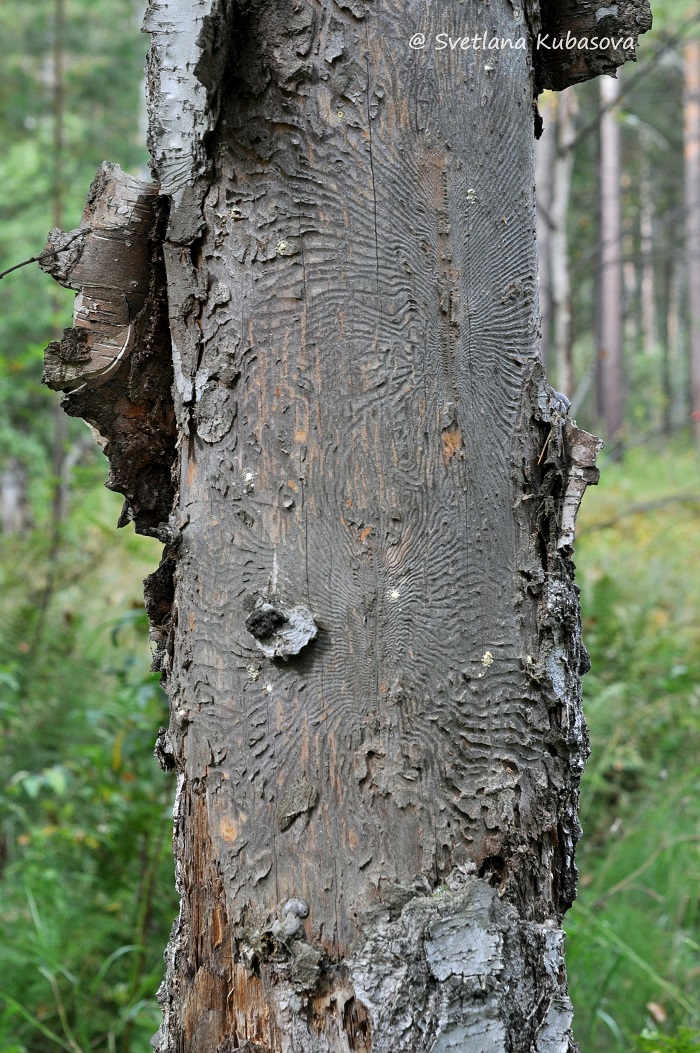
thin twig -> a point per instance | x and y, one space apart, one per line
47 253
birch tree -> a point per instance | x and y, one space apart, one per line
310 350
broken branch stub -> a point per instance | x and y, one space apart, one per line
109 269
115 363
567 49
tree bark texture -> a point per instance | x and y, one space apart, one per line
545 148
365 613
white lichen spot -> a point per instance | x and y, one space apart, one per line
249 481
394 594
471 195
253 672
487 660
282 248
268 688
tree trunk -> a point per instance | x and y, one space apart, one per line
365 613
691 57
646 247
610 285
544 158
15 510
559 240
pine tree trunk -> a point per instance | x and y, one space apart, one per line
365 612
646 248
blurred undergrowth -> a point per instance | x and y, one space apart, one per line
86 889
634 933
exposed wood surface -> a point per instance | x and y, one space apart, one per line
354 318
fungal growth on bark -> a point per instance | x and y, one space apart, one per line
366 614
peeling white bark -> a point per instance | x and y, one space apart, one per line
180 109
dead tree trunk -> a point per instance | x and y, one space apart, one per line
365 613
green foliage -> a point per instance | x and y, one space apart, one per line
634 934
103 56
682 1041
86 875
87 891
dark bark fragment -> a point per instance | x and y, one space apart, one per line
557 67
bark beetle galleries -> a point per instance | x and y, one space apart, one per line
368 452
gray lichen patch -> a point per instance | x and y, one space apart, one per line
281 633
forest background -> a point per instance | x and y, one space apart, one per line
87 892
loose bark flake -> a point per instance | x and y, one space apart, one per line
114 364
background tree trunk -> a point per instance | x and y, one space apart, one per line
647 283
610 285
365 612
691 57
559 240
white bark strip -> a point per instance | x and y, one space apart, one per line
180 114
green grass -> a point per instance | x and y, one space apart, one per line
634 933
87 892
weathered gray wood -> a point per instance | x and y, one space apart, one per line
366 611
355 325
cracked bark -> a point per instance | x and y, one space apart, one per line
365 613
